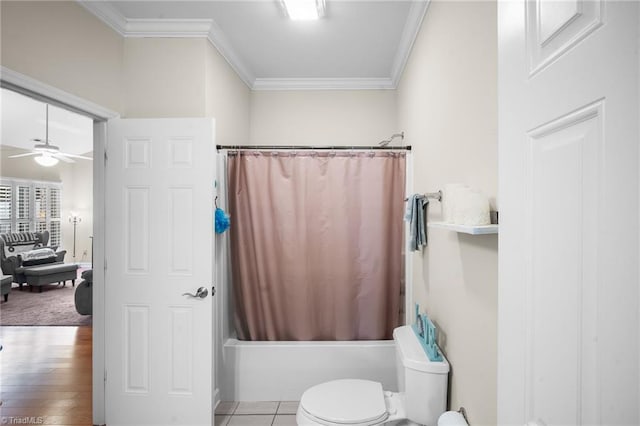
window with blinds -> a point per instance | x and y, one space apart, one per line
40 208
54 203
31 206
54 233
54 227
6 208
23 227
23 208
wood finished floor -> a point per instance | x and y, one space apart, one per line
45 375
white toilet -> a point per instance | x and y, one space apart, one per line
422 397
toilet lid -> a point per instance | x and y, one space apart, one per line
349 401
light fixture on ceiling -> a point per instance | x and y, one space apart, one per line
303 10
48 155
46 160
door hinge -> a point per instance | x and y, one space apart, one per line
105 376
105 156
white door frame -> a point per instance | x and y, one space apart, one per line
36 89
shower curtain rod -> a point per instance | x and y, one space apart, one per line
300 147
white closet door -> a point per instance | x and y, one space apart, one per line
568 154
159 245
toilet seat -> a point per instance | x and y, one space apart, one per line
345 402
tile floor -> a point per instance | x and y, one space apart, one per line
276 413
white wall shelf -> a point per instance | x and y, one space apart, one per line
466 229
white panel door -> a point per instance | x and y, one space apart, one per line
568 157
159 246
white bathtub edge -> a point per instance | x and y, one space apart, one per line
282 371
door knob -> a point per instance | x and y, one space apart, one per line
200 293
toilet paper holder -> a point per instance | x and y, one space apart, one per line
462 411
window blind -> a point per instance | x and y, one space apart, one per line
54 233
23 203
41 226
31 206
54 200
23 208
23 227
40 207
6 202
6 208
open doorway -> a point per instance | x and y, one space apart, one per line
46 213
99 115
47 325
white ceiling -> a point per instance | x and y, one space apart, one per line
24 118
358 44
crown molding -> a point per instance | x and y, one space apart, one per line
209 29
107 14
30 86
409 34
217 38
323 84
168 27
146 27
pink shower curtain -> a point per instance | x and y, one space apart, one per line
316 244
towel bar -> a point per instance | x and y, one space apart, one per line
431 195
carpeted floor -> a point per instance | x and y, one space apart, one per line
54 306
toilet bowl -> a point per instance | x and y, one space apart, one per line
422 397
347 402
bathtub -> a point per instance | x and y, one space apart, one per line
282 371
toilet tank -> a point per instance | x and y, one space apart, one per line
422 382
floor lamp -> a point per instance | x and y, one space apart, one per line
75 220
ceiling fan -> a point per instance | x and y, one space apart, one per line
48 155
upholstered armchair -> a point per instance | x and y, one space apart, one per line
13 245
84 294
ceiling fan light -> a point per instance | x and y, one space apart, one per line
46 160
303 10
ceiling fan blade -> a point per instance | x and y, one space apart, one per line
62 158
75 156
24 155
